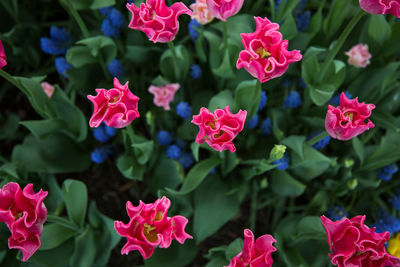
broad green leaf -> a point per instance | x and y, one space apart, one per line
358 148
75 198
165 174
9 127
101 46
379 29
336 16
143 151
85 249
79 56
234 248
56 257
102 3
130 168
288 28
224 70
247 97
176 255
221 100
283 184
295 143
54 234
312 165
167 65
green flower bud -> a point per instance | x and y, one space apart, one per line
277 152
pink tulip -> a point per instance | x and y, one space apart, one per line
256 254
347 120
201 13
24 213
3 57
158 21
47 88
117 107
381 6
219 129
223 9
359 56
265 55
164 95
149 227
354 244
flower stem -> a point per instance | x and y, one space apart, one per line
339 44
317 138
174 59
225 35
254 200
12 80
77 18
62 221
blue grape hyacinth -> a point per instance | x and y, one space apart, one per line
184 110
62 66
321 143
266 127
195 71
395 200
335 100
263 100
164 138
104 133
253 122
113 22
303 21
386 173
173 152
283 163
336 213
193 27
115 68
100 154
386 222
186 160
58 42
293 100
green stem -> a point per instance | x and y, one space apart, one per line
317 138
253 214
339 44
10 79
77 18
225 35
174 59
272 6
62 221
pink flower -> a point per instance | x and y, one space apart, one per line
256 254
201 13
117 107
219 129
266 55
3 57
158 21
355 244
163 95
347 120
223 9
24 213
149 227
47 88
381 6
359 56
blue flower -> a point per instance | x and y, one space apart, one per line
335 100
302 5
303 21
283 163
266 127
387 172
293 100
286 82
336 213
321 143
277 4
100 154
184 110
386 222
301 83
62 65
104 133
395 200
173 152
115 68
253 122
194 26
105 10
58 42
109 29
195 71
164 138
181 143
116 18
186 160
263 100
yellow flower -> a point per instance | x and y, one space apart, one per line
394 245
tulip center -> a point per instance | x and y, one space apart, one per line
262 52
18 216
158 216
149 232
219 134
349 115
211 124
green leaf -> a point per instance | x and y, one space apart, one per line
221 100
196 175
234 248
211 201
283 184
295 143
310 227
358 148
44 155
179 72
165 174
129 167
288 28
247 97
312 165
176 255
79 56
85 249
224 70
75 198
336 16
9 127
379 29
80 4
54 234
316 22
101 46
200 50
385 120
102 3
143 151
56 257
285 9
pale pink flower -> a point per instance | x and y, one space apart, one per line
223 9
219 129
348 120
355 244
359 56
158 21
117 107
3 57
47 88
201 12
256 254
24 213
164 95
265 55
381 6
149 227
